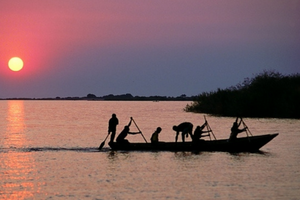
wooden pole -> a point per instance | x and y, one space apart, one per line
209 129
139 129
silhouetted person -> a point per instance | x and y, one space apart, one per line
185 128
235 129
112 127
121 137
154 137
199 131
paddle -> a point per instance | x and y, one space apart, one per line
139 129
103 143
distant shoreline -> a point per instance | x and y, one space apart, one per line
124 97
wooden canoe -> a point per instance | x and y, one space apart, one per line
242 144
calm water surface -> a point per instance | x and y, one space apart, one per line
48 150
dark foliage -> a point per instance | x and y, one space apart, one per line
269 94
91 96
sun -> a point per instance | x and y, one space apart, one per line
15 64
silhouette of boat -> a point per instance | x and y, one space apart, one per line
242 144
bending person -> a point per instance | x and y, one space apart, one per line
235 129
185 128
121 137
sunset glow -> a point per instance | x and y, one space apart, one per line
15 64
72 48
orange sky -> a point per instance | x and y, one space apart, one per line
78 47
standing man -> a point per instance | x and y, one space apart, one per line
185 128
112 126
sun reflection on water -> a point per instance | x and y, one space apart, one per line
16 167
15 124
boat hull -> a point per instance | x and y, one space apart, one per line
243 144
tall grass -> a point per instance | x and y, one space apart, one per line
268 94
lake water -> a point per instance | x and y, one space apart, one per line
48 150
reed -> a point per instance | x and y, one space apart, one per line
269 94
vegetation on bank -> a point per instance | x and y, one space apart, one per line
269 94
111 97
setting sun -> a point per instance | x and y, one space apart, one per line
15 64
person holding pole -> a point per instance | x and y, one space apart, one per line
235 129
121 137
199 131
